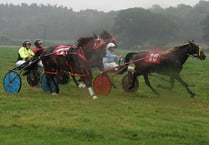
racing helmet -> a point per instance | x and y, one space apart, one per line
38 42
110 45
26 42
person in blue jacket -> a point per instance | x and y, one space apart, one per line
110 58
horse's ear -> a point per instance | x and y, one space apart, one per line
190 42
105 32
95 35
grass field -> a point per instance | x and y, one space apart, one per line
32 117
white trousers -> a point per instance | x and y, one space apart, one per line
40 64
19 62
108 66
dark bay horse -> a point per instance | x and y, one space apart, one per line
74 59
169 63
96 59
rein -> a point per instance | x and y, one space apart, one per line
130 62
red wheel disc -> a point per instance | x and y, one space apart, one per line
102 85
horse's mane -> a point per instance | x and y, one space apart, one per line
84 40
176 48
48 50
105 34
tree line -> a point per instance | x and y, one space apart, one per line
133 27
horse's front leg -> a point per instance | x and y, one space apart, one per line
88 83
186 86
146 78
75 81
133 78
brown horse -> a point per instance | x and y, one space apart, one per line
95 60
77 60
169 63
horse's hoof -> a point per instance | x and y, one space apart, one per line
94 97
82 86
54 94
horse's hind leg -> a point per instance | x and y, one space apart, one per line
146 78
186 86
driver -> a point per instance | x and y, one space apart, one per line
24 53
38 50
110 58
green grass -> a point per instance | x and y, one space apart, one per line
32 117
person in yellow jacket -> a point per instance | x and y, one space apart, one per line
24 53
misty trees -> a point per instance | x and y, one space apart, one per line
205 24
203 8
59 23
138 26
132 27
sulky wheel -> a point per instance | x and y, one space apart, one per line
33 78
102 85
127 82
44 85
12 82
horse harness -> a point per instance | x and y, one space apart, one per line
68 51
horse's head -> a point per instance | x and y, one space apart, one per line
107 37
94 48
196 51
101 43
86 42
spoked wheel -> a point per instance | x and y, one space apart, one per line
102 85
33 78
12 82
127 82
44 85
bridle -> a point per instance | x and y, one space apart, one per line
198 52
99 42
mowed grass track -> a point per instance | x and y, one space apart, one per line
32 117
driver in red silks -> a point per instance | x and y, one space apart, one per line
38 50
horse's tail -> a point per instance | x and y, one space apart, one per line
127 59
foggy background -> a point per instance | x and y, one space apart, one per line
132 27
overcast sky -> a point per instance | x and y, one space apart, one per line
106 5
